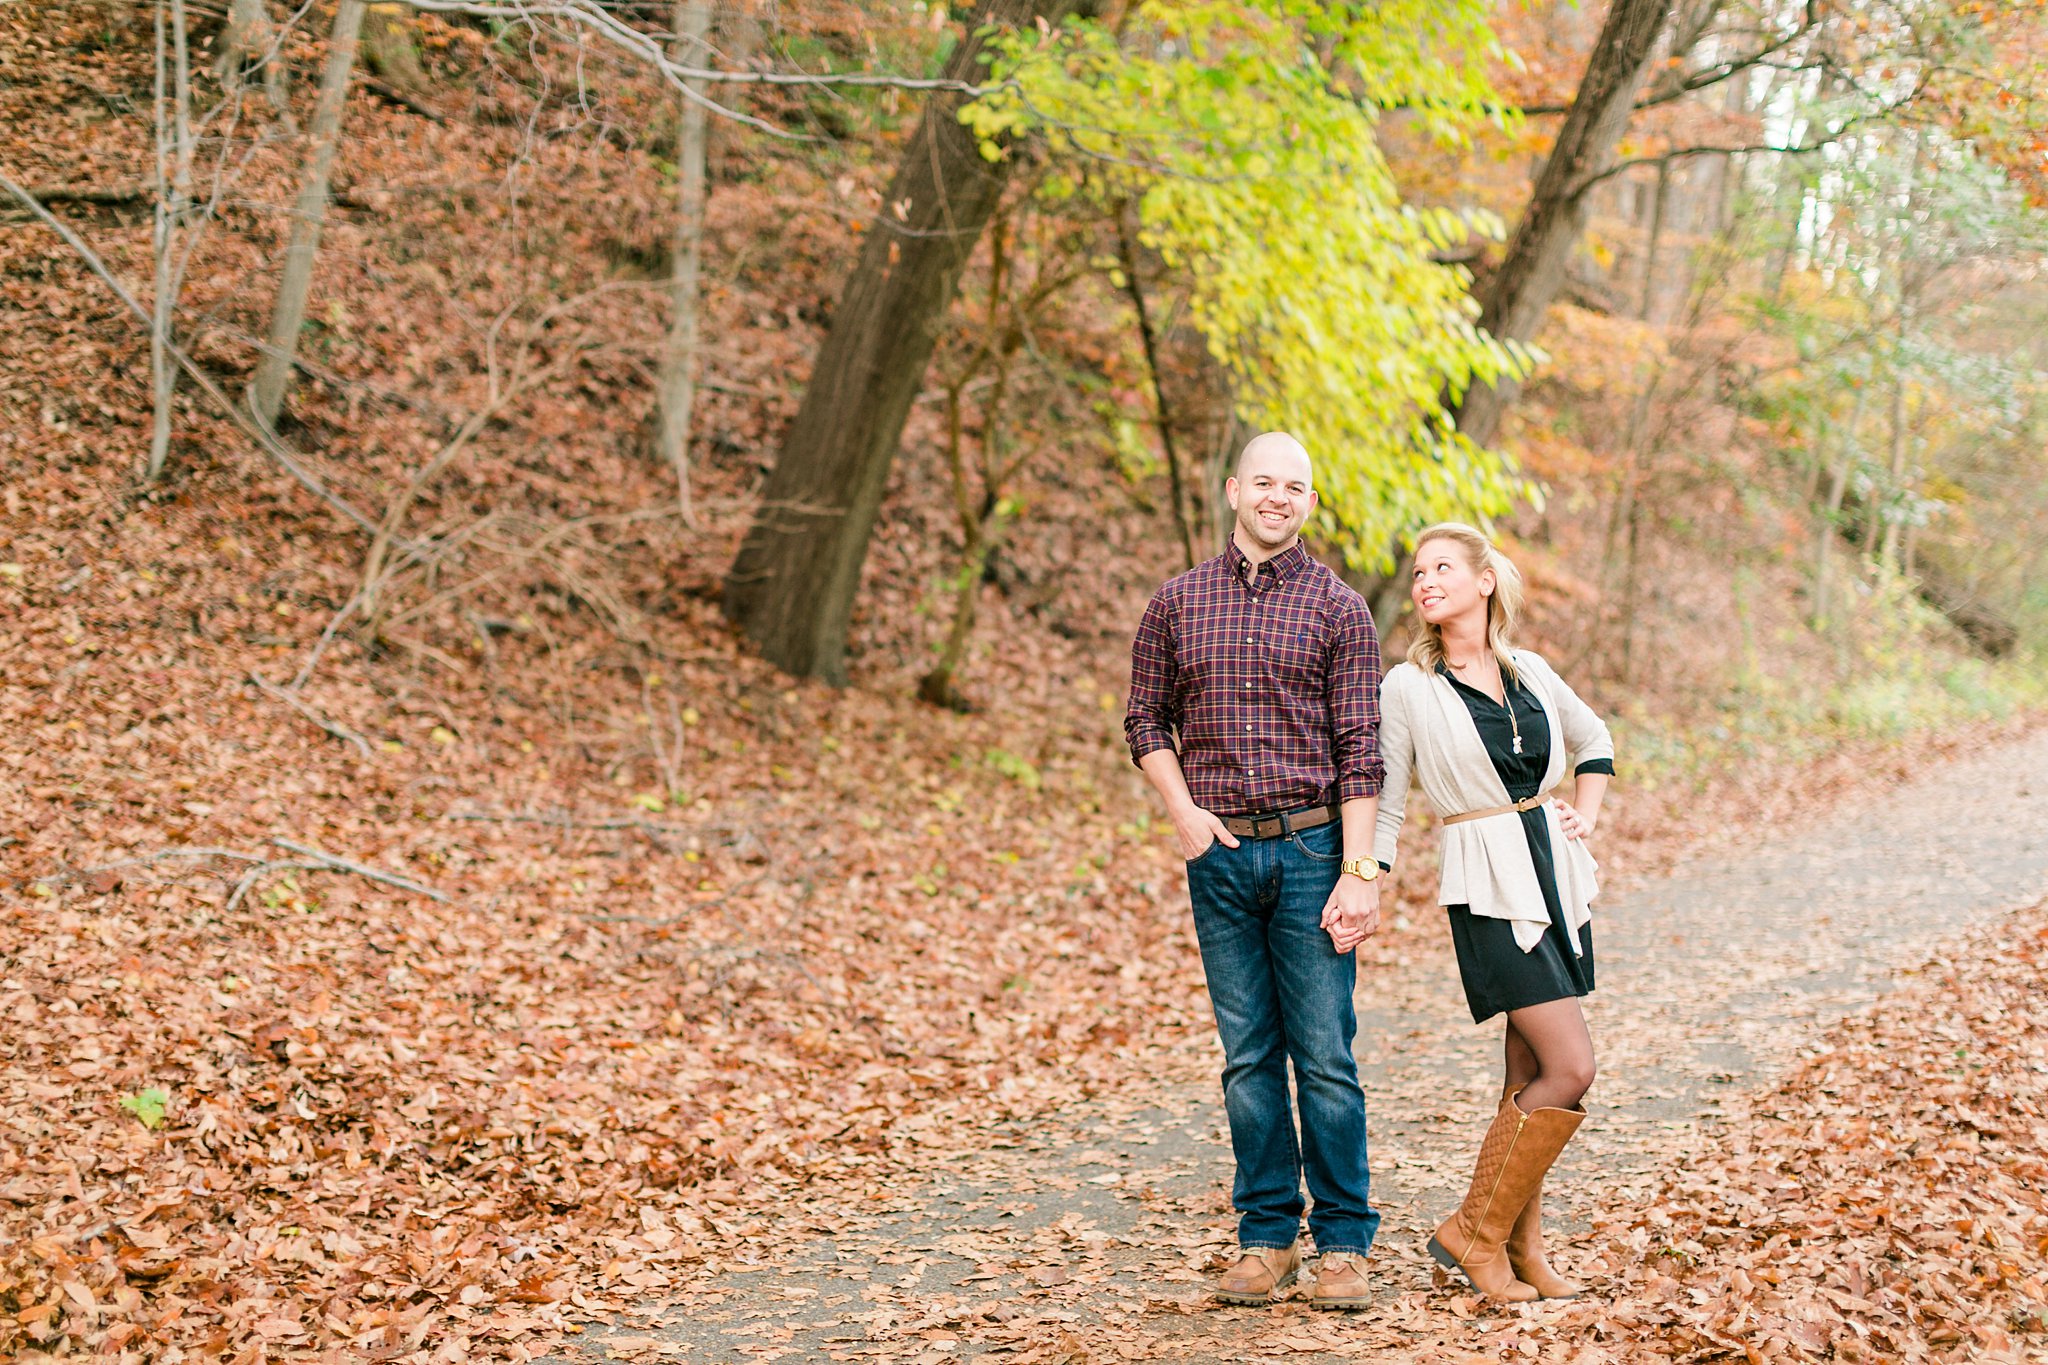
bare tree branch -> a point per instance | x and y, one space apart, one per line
649 46
1677 87
649 49
1682 153
397 879
283 454
292 699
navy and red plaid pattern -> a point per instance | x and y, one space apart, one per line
1272 684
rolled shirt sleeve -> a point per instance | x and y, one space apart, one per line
1354 698
1150 719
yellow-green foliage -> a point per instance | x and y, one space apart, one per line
1245 133
1898 673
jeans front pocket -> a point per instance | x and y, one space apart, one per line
1324 843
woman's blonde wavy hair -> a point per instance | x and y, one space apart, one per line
1502 608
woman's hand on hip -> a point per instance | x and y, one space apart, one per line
1575 822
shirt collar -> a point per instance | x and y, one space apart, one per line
1282 566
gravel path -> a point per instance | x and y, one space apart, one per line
1711 981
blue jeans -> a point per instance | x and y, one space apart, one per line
1282 993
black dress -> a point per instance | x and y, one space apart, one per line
1498 975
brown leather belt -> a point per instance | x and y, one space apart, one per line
1287 822
1526 803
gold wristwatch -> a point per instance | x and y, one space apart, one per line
1365 869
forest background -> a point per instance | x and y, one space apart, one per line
569 564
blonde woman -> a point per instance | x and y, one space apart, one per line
1485 728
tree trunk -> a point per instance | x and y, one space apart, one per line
679 357
240 38
309 215
937 687
173 166
1385 593
389 50
1831 519
1218 520
1658 205
1520 291
792 587
1824 564
247 43
1137 292
1888 508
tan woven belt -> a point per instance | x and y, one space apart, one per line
1526 803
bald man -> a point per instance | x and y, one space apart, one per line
1254 713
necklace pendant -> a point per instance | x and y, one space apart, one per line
1518 744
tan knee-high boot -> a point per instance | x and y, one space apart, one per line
1525 1243
1525 1253
1518 1150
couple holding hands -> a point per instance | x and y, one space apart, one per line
1259 713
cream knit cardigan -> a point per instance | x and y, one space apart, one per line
1426 734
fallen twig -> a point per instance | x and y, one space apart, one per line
726 836
397 879
89 194
265 865
159 856
398 96
291 699
565 821
257 873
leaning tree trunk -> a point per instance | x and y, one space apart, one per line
792 587
273 372
1517 295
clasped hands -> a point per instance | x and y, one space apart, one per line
1350 916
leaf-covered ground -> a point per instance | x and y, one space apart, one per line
713 943
1092 1236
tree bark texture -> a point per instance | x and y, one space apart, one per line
309 215
1136 289
1887 510
1660 200
679 356
174 153
1518 293
389 49
239 38
1831 515
792 587
248 46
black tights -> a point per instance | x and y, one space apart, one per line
1549 1054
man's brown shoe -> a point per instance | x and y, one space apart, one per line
1258 1273
1340 1283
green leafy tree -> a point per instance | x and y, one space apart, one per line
1245 135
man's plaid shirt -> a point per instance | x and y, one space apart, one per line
1272 685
